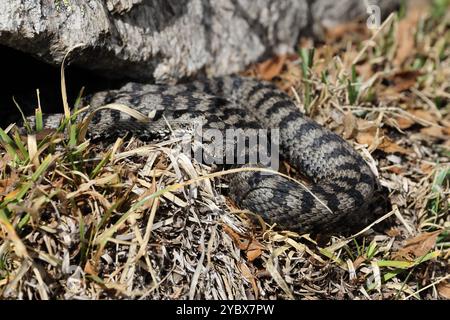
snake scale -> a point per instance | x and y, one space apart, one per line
341 181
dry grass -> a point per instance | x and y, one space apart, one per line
81 221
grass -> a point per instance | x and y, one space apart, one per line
127 220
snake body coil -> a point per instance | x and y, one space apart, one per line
342 183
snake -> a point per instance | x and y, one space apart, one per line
340 182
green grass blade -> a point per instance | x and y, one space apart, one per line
100 165
41 169
23 150
8 144
25 122
39 119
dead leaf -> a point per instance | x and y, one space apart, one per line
249 276
444 289
290 77
254 250
358 261
417 247
404 80
395 169
393 232
149 203
447 144
90 269
405 39
433 131
245 270
405 35
242 242
350 125
269 69
404 122
7 184
365 70
370 136
425 115
365 127
446 131
162 163
389 146
12 194
446 124
426 168
379 141
342 30
366 137
252 247
6 159
253 254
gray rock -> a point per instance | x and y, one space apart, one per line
165 40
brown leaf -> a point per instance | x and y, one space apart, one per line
252 247
366 138
342 30
242 242
12 194
253 254
358 261
7 184
364 125
446 124
418 246
406 44
162 163
149 203
4 161
433 131
271 68
427 168
447 144
405 37
350 126
444 289
393 232
250 277
254 250
425 115
404 122
446 131
404 80
399 82
290 77
390 146
367 135
365 70
89 268
395 169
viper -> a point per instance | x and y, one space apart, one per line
341 182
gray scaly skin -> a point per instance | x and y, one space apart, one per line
340 177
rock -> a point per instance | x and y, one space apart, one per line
166 40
